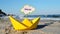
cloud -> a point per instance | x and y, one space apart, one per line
27 9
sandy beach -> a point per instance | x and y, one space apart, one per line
44 27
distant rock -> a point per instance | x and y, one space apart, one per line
2 13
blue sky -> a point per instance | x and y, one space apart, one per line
41 6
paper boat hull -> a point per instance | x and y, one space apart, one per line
23 26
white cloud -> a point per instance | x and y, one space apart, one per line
27 9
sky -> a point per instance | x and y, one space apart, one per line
42 7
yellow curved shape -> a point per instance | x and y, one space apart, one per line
26 24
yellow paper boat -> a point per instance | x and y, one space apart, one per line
26 24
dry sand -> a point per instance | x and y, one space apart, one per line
44 27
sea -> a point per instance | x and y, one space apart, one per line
32 17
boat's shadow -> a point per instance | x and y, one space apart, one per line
42 26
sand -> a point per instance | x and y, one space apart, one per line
44 27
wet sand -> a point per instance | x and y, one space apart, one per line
44 27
